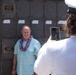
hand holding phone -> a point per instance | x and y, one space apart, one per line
55 33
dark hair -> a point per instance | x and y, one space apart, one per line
70 26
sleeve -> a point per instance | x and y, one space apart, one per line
16 48
37 47
41 66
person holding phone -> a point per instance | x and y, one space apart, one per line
59 57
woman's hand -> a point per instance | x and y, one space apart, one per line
35 73
50 40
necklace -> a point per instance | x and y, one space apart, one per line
27 44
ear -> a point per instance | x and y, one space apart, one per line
21 31
30 31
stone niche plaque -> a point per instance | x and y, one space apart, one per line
8 7
8 45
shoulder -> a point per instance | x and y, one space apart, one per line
17 42
35 40
55 46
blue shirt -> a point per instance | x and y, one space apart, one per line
26 59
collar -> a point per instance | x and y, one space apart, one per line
73 37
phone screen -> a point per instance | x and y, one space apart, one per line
55 33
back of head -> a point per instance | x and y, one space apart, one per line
71 19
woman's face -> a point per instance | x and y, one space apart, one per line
26 32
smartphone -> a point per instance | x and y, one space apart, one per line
55 33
